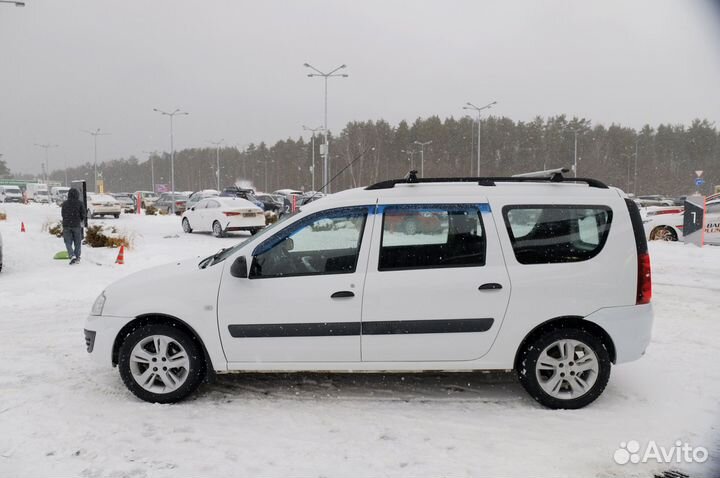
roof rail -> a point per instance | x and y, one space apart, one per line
554 177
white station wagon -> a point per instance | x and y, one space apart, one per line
547 276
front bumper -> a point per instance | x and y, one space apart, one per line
100 333
629 328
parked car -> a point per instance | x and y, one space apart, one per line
221 215
10 194
551 279
41 196
198 196
248 194
148 198
165 203
58 194
270 202
126 202
103 205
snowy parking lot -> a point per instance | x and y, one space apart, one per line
62 415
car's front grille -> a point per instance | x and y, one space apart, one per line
89 339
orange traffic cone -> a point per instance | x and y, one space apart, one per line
121 256
22 227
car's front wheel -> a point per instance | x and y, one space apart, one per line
160 363
186 225
565 368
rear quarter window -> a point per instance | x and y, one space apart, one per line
551 234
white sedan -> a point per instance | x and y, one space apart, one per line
223 214
103 205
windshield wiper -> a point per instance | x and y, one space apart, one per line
210 260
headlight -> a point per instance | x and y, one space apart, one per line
97 307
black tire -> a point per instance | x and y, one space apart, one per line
254 231
186 226
527 368
195 374
117 216
217 229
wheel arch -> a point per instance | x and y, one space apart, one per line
165 319
568 321
672 229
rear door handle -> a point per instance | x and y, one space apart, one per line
490 286
342 293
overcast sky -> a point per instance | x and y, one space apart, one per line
237 67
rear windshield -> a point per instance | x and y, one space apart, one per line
549 234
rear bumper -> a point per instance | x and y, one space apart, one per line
245 223
629 328
12 199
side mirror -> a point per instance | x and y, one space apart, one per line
239 268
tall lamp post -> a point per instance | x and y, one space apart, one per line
172 149
422 156
575 160
314 130
411 157
217 159
325 76
47 165
95 135
152 168
478 110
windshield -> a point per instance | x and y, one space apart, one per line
225 253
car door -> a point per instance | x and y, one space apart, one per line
437 287
302 300
196 219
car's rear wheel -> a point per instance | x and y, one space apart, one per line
565 368
186 225
217 229
160 363
663 234
117 216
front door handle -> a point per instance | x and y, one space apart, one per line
342 293
490 286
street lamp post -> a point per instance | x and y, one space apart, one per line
319 128
14 2
575 156
172 149
47 165
635 176
478 110
95 135
217 159
411 157
422 156
325 76
152 168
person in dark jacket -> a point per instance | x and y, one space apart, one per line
73 217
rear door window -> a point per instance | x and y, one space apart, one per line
431 236
549 234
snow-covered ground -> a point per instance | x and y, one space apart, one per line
61 415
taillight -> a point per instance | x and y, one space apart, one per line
644 280
232 213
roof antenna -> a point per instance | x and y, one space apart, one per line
362 153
